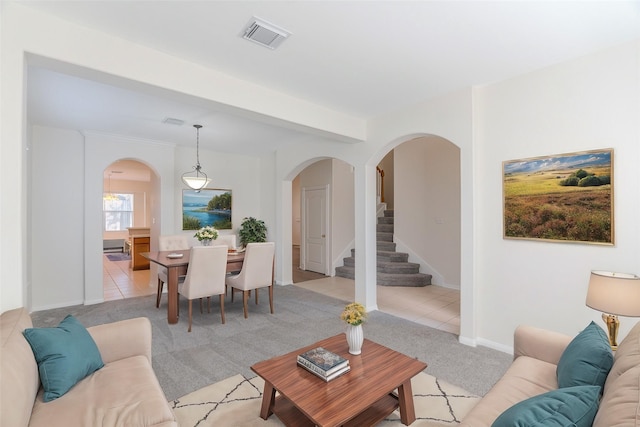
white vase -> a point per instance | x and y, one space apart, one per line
355 337
206 242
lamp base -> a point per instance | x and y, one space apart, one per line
612 326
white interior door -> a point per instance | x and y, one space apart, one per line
314 256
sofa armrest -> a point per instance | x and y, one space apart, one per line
540 344
126 338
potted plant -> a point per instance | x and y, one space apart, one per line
252 230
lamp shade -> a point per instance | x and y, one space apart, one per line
196 182
614 293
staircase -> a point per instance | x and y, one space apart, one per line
393 269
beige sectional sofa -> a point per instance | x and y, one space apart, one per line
124 392
537 353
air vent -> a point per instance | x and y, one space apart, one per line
172 121
265 33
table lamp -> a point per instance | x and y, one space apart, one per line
615 294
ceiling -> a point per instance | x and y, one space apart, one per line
361 58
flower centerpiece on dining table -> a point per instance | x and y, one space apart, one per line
354 314
206 234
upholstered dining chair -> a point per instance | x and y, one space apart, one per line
256 272
174 242
205 277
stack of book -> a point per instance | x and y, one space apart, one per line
324 363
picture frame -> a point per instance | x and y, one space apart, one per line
206 207
560 198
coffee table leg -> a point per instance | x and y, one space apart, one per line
405 401
268 400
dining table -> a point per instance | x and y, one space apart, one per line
176 263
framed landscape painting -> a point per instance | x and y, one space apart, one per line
565 197
206 207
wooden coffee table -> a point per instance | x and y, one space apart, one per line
362 397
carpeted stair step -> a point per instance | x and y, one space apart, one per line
388 213
346 272
412 280
385 246
398 267
385 220
389 279
382 256
384 237
349 261
384 228
392 256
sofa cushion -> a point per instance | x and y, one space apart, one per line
19 380
627 355
125 392
565 407
586 360
620 404
526 377
65 354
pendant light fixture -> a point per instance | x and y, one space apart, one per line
196 179
109 196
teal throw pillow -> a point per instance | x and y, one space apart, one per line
65 355
587 359
565 407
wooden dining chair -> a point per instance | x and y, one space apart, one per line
205 277
256 272
175 242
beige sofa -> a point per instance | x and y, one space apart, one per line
533 372
125 392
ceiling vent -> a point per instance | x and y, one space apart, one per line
264 33
173 121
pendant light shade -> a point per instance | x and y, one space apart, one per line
196 179
109 196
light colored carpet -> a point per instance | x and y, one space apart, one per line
235 402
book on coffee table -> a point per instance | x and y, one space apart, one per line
331 376
322 362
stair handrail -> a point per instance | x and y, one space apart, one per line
380 184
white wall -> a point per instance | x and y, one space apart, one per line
427 213
295 211
57 217
589 103
342 213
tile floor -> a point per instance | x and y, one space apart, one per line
432 305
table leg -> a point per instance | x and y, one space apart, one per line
405 401
268 400
172 293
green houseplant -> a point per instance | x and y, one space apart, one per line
252 230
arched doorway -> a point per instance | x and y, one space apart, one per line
128 192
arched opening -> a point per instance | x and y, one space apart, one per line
420 184
322 218
128 194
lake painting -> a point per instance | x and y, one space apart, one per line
206 207
565 197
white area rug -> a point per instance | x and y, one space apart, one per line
235 402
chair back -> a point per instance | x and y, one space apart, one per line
257 267
173 242
228 240
206 272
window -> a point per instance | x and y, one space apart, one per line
117 211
